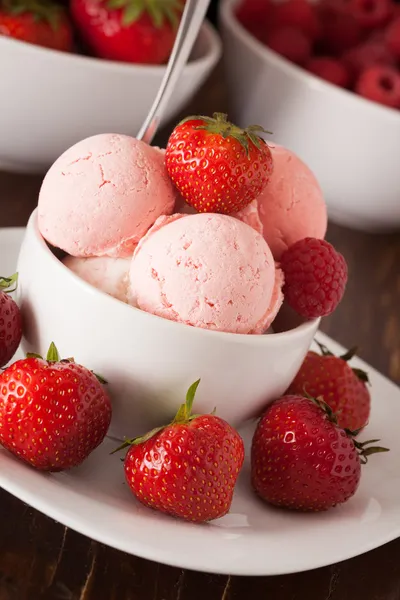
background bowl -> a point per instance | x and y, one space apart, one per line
148 361
51 100
350 143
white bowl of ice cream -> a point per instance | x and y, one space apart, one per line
150 361
350 143
152 300
53 99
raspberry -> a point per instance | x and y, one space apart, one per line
299 14
330 69
290 43
392 37
367 55
380 84
339 31
315 277
371 13
253 15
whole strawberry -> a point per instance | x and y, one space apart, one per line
10 321
135 31
216 166
53 413
302 460
315 277
40 22
343 388
187 469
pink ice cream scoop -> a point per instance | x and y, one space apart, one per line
102 195
249 214
206 270
109 275
291 206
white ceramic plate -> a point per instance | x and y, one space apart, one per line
253 539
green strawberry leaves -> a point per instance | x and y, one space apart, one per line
160 11
9 282
218 124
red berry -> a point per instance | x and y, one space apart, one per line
302 460
253 15
371 13
290 43
53 413
216 166
187 469
392 38
380 84
315 277
10 323
329 69
372 52
333 379
299 14
340 31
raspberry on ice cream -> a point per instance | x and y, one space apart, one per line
291 206
102 195
315 277
109 275
206 270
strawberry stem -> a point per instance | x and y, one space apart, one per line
7 282
218 124
184 415
53 354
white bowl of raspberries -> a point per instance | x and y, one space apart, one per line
325 78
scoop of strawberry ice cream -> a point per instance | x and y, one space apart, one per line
206 270
291 207
249 214
109 275
102 195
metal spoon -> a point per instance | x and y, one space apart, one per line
192 18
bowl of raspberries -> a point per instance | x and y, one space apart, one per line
325 76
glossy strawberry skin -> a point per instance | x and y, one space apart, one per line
52 415
103 30
213 173
27 28
334 380
300 460
10 328
187 470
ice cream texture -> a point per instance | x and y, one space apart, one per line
109 275
291 207
205 270
101 196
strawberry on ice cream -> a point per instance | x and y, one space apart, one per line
102 195
206 270
291 206
109 275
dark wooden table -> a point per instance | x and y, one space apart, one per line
43 560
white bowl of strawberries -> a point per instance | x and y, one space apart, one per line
349 141
79 71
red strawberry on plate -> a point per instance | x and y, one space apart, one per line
342 387
187 469
135 31
39 22
216 166
10 321
302 460
53 413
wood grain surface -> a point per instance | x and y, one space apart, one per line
43 560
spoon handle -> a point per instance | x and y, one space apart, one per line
192 18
